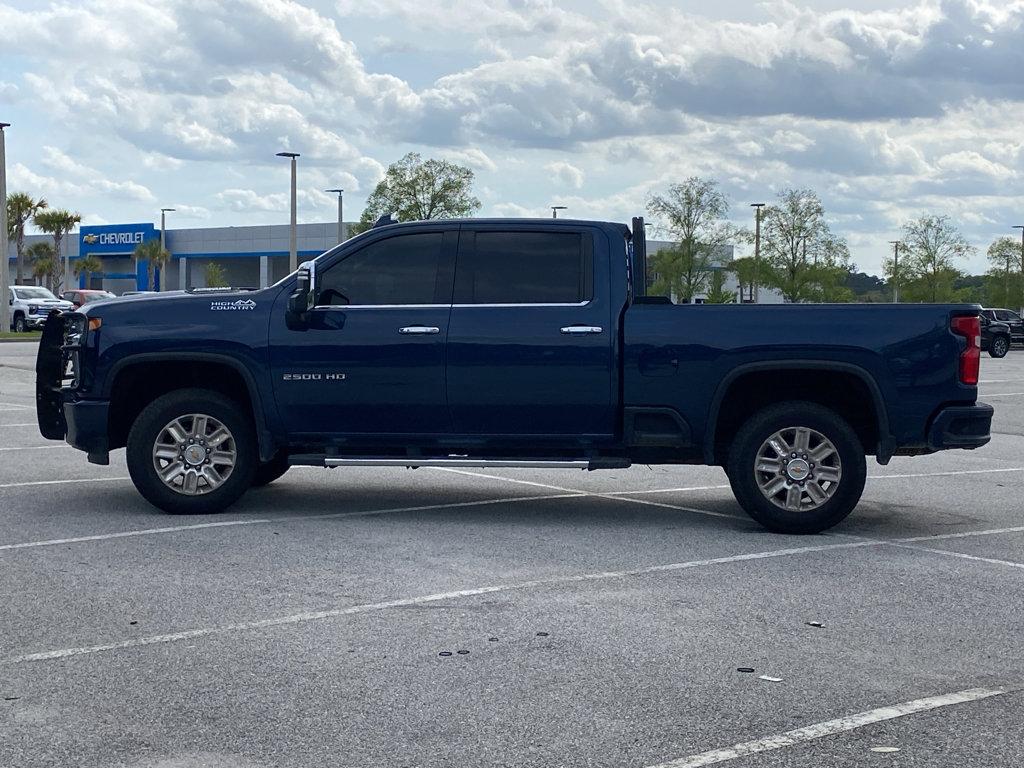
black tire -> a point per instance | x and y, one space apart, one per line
147 429
19 323
999 346
743 477
268 472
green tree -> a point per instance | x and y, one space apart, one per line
417 189
1004 283
58 222
717 292
21 208
745 271
214 275
932 248
830 267
803 257
155 256
87 265
694 215
44 263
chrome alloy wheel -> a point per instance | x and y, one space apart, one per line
798 468
194 454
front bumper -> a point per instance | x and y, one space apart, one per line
961 427
35 321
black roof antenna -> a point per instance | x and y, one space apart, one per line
385 220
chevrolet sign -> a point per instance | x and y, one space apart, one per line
115 238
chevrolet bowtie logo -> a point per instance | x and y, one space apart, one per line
90 239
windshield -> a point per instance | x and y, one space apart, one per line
33 292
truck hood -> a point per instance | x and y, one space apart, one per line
229 300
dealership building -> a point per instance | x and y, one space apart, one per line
247 256
250 256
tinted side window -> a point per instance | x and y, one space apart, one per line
399 270
525 268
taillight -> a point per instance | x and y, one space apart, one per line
969 326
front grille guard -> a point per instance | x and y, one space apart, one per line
56 368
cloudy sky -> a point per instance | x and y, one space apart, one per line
888 109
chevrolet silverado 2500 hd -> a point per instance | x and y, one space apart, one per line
506 343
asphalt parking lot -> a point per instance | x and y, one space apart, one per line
388 616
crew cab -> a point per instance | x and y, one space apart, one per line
507 342
30 306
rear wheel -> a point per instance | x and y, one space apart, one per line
797 468
999 347
192 452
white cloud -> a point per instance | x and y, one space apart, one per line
566 174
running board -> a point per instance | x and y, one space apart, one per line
604 463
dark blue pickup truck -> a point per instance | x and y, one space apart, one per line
500 343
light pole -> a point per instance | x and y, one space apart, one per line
293 253
757 251
896 270
341 217
556 209
5 266
1021 228
163 247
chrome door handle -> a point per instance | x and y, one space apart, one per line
582 329
419 330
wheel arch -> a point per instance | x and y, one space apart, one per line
884 443
156 363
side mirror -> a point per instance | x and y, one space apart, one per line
303 297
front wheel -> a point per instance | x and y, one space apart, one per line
797 468
19 323
999 347
192 451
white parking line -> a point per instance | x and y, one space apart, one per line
7 406
65 480
23 424
949 472
35 448
281 519
955 554
595 494
837 726
999 395
663 491
425 599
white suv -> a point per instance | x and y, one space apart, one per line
31 304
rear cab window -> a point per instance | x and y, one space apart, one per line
524 267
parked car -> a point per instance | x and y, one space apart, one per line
82 296
995 337
1010 318
502 343
31 304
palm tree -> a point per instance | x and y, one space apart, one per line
87 265
21 208
44 262
155 255
58 222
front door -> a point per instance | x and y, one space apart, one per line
531 343
372 360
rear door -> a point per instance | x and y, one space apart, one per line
530 343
